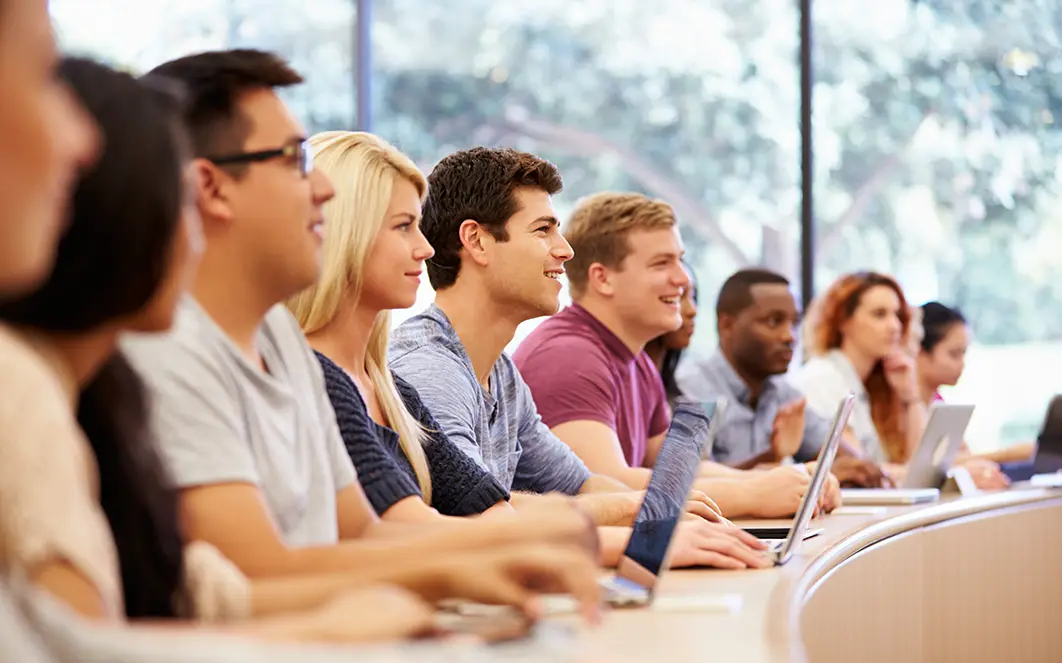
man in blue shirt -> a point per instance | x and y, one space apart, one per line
766 420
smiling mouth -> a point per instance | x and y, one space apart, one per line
672 301
317 228
554 274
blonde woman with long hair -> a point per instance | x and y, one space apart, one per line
374 254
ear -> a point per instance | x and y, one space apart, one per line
599 279
725 325
211 191
476 241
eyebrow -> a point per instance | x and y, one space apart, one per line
667 254
551 220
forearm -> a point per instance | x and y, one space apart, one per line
613 543
620 481
736 469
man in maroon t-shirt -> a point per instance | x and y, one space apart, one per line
587 369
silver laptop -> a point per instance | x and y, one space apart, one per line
781 549
940 444
663 506
928 467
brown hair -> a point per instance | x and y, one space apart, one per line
477 184
827 314
598 230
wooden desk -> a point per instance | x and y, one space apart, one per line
969 580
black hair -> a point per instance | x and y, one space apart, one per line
672 356
937 321
123 219
736 293
213 83
477 184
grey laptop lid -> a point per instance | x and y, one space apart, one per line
665 498
941 441
818 481
1048 457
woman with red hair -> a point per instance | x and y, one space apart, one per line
861 336
857 336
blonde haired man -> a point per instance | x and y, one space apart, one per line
608 403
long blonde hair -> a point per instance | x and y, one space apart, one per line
363 168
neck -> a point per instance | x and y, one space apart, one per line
237 304
77 356
345 340
861 362
753 381
634 341
656 351
928 391
483 327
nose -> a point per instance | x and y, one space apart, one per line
321 187
788 333
83 137
680 278
423 250
562 250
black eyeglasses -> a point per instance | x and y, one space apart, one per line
298 151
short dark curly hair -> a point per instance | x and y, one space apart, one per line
477 184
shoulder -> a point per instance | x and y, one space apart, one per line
545 349
29 386
420 332
815 369
22 366
193 340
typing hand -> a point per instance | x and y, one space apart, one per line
716 545
777 493
854 472
986 474
371 614
515 576
701 507
830 497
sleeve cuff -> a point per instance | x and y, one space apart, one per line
384 494
480 498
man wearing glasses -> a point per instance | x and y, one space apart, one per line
239 407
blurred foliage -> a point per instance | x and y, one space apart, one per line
935 121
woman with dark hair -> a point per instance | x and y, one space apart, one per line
666 350
941 361
942 352
86 513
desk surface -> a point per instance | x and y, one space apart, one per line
764 629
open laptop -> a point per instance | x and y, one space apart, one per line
643 561
713 427
783 542
1047 460
928 468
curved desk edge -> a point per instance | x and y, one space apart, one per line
784 614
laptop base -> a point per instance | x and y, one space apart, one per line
768 532
888 496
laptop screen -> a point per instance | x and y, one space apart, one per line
822 470
665 498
